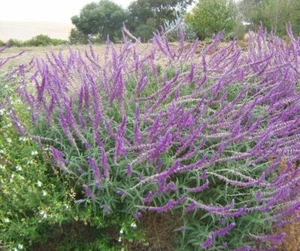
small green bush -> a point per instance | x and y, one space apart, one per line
1 43
14 43
44 40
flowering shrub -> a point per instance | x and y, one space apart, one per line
37 201
212 136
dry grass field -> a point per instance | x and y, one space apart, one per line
26 30
39 52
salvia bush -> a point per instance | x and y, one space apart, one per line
38 202
212 136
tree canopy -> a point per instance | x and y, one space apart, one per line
273 14
212 16
100 19
96 21
144 16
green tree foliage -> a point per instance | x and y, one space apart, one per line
144 17
273 14
98 20
212 16
77 37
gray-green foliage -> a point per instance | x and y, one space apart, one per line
174 27
211 16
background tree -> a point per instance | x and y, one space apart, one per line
273 14
212 16
99 20
144 16
77 37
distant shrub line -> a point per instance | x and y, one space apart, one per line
40 40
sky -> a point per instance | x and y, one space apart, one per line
59 11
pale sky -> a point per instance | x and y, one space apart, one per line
59 11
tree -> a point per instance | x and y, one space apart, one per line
212 16
77 37
144 16
273 14
100 20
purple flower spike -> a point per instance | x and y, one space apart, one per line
129 170
138 215
104 164
191 207
95 168
199 188
258 196
148 198
223 231
171 203
208 243
276 239
89 193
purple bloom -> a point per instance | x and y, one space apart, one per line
104 164
120 192
95 168
223 231
203 175
119 150
199 188
59 158
138 215
208 243
148 198
171 203
181 200
89 193
106 209
129 170
258 196
191 207
276 239
182 229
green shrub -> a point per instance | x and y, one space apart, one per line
1 43
14 43
44 40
